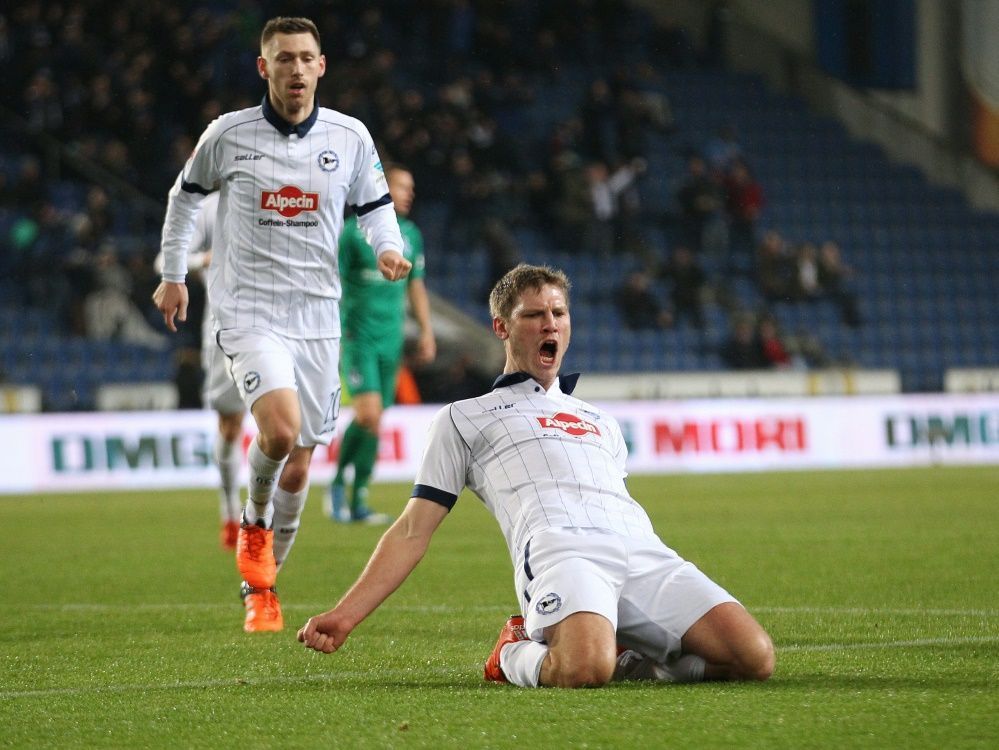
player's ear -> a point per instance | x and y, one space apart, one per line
322 66
262 67
499 328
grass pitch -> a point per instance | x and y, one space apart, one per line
121 625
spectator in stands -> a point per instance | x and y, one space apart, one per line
688 285
701 203
806 280
833 278
744 201
108 310
771 344
606 229
775 271
742 351
638 304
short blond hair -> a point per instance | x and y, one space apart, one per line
507 291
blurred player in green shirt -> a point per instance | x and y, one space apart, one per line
373 314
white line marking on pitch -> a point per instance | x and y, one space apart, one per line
230 682
803 647
879 610
441 608
440 671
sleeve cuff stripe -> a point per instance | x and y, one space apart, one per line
435 495
193 187
369 207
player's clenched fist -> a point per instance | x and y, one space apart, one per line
393 266
323 633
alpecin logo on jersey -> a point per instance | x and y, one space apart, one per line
569 423
289 201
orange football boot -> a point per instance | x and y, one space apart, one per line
229 534
255 555
263 610
512 632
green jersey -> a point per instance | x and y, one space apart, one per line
373 309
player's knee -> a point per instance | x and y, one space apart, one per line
590 674
583 670
278 439
758 659
369 420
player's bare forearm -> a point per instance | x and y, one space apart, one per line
419 301
393 266
171 299
398 552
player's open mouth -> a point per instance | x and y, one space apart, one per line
548 351
298 87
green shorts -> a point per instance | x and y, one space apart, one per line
369 367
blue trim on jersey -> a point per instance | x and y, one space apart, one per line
567 383
527 562
369 207
283 126
426 492
193 187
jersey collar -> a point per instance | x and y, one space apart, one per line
566 383
283 126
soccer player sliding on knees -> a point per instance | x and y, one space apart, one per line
601 596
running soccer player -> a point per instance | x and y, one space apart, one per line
284 170
591 575
373 313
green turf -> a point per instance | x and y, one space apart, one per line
120 625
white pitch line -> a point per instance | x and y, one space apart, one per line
440 671
937 612
443 608
229 682
916 642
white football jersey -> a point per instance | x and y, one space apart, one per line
537 460
283 189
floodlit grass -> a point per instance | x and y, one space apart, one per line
121 625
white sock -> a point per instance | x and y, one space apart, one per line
287 515
227 459
521 662
264 472
631 665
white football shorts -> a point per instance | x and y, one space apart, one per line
261 361
219 391
649 593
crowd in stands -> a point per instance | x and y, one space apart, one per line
445 86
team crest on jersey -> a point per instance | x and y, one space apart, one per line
569 423
328 161
251 382
289 201
549 604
